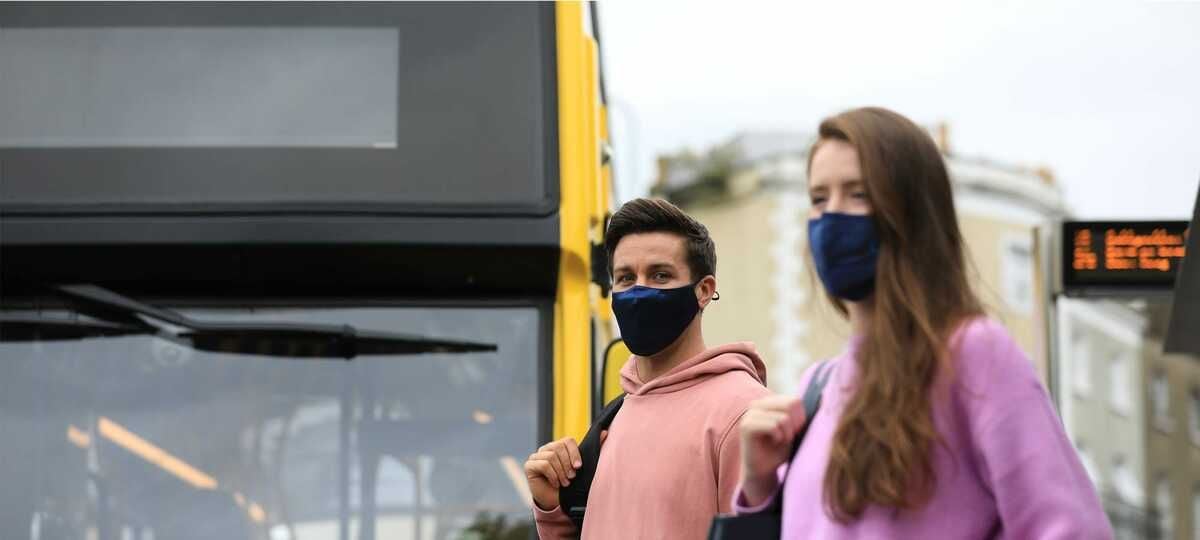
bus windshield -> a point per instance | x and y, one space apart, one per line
134 436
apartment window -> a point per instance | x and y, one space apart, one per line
1120 390
1196 512
1195 416
1081 373
1126 482
1160 401
1162 504
1089 464
1016 270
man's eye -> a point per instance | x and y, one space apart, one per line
818 200
860 195
662 276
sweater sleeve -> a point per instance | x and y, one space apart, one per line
729 465
740 506
553 524
1024 456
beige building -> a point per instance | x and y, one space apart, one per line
1103 407
1133 413
1172 416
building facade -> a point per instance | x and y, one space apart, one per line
1103 405
1172 417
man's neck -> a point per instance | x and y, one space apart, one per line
690 344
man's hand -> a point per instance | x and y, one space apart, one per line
551 467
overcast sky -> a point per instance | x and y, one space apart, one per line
1105 93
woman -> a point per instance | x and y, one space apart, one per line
933 424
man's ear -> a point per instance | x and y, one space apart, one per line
706 290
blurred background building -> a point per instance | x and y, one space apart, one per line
1171 384
1132 412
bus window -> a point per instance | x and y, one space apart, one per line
137 432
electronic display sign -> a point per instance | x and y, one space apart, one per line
1122 255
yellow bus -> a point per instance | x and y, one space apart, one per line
295 271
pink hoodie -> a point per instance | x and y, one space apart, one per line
670 461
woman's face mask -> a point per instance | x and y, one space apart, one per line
845 249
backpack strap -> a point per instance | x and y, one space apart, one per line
573 498
812 400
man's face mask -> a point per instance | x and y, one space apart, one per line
651 319
845 249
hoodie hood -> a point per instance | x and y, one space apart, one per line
740 356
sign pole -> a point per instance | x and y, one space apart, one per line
1182 336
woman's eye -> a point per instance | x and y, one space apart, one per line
622 279
818 201
860 195
662 276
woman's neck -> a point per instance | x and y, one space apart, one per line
860 315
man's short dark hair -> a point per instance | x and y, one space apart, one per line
657 215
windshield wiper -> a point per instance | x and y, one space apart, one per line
121 315
38 328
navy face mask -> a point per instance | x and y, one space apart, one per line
845 249
651 319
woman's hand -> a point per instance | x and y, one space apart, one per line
767 431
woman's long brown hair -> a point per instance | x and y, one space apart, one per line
883 445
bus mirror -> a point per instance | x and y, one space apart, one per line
615 357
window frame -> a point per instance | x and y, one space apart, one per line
1160 401
1120 387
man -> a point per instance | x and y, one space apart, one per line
669 461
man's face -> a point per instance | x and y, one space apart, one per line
654 259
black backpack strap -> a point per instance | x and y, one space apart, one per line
812 400
573 498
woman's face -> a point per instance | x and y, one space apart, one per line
835 182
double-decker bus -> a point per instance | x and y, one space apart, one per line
295 271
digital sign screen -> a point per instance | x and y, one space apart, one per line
187 108
1115 255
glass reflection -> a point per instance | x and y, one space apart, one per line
138 437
